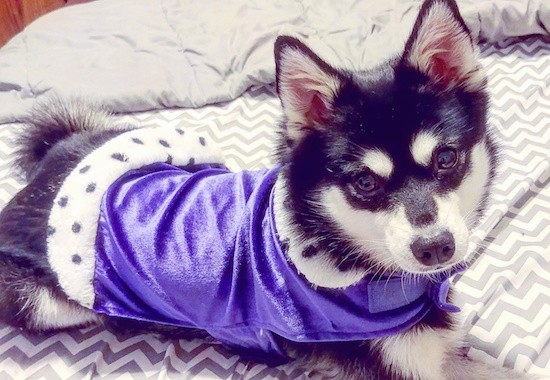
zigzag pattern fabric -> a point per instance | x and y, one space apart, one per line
505 296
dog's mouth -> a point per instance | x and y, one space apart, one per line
435 269
404 270
415 268
421 256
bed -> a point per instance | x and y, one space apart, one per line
186 64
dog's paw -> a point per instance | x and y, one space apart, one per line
473 369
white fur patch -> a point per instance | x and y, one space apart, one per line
420 353
50 313
444 51
449 216
423 146
399 233
379 162
319 270
365 228
75 211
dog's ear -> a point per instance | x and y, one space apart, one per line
441 47
306 85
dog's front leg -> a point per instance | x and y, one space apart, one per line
467 368
419 353
428 353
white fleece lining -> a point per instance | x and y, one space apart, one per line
75 211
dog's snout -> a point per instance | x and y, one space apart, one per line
424 218
435 250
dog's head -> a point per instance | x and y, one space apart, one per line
385 170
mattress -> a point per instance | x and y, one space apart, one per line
505 295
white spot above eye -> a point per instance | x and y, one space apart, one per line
423 146
379 162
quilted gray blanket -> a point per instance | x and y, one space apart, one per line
135 55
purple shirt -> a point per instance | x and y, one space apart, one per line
200 250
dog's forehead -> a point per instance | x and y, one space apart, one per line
381 77
387 113
387 163
378 103
387 130
389 151
391 125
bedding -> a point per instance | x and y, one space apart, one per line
135 58
136 55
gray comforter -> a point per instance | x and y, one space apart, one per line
135 55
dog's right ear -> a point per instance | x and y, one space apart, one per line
442 47
306 85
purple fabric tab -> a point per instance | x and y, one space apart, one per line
393 293
200 250
439 293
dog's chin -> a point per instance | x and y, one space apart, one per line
436 270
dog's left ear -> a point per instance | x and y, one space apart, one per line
442 48
307 87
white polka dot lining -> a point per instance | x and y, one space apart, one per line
72 224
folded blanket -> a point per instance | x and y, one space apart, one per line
135 55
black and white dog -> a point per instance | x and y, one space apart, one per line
338 258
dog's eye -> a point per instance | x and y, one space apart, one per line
446 158
366 184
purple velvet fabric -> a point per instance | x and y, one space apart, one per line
200 250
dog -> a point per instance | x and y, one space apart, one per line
338 258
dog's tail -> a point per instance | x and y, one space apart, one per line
51 122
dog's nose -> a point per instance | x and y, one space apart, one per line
434 250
